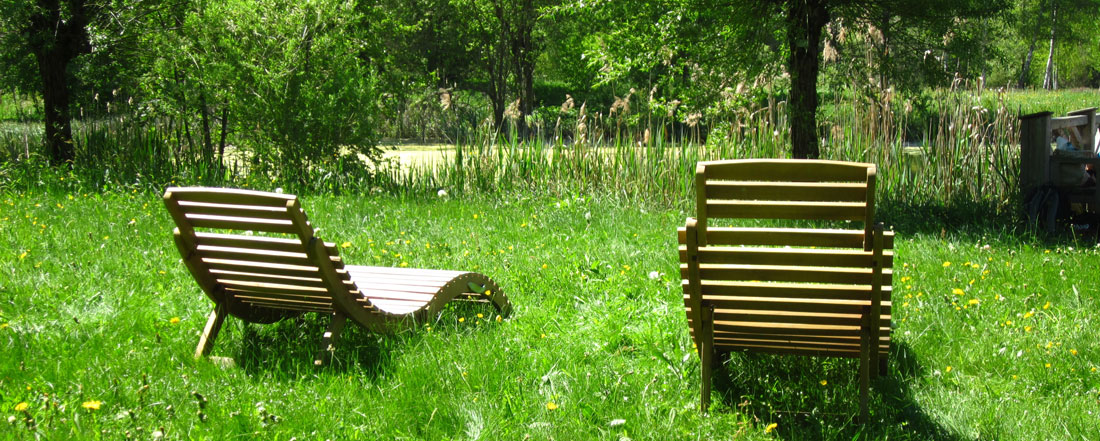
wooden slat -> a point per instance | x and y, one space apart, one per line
241 223
853 211
277 289
795 237
809 339
250 242
840 346
276 297
773 328
786 170
786 256
229 196
379 280
775 273
397 295
410 272
264 278
787 191
245 254
252 211
262 268
788 290
790 305
288 305
789 319
1068 121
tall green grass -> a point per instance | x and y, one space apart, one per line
99 320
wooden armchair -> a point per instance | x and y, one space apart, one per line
800 290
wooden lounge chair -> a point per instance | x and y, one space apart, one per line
263 278
802 291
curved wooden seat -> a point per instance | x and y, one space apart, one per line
272 266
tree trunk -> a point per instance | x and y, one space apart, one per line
1026 69
1048 78
55 94
523 59
56 41
805 21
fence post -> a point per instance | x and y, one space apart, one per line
1089 137
1034 151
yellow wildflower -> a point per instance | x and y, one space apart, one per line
948 369
946 264
974 301
404 264
92 405
479 315
174 320
957 291
21 407
1027 328
824 382
1073 351
461 319
551 406
1046 306
1047 365
544 266
22 256
771 427
1029 314
345 245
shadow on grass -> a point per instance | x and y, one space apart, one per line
287 349
785 390
984 219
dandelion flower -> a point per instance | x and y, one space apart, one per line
92 405
1046 305
1073 351
21 407
174 320
1047 365
499 319
948 369
461 319
974 301
345 245
824 382
771 427
23 256
946 264
4 325
551 406
1027 328
1029 314
957 291
479 315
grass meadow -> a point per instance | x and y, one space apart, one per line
995 333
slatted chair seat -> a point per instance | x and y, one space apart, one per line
256 256
788 290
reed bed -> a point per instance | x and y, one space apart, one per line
940 148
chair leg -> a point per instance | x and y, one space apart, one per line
706 356
865 348
329 338
210 333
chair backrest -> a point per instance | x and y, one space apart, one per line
257 249
799 290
